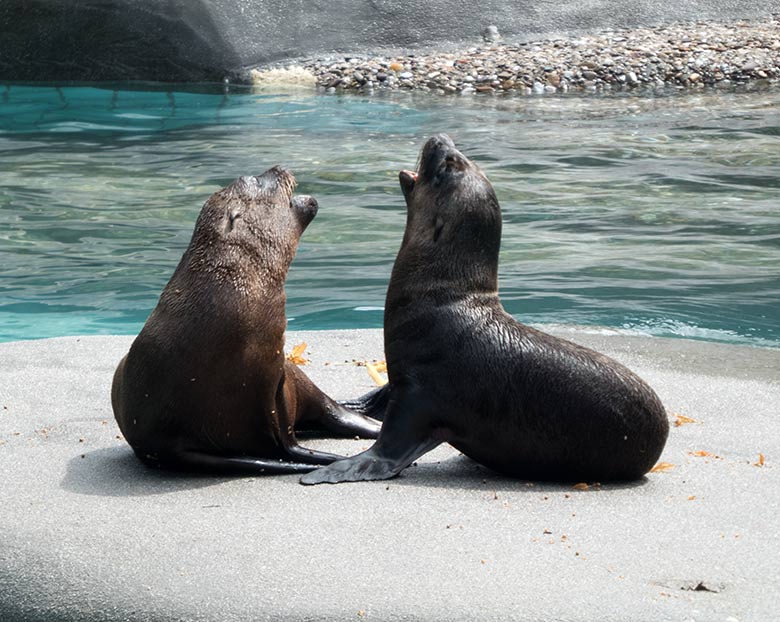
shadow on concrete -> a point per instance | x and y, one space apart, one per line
116 472
463 473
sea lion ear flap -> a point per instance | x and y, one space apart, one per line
407 180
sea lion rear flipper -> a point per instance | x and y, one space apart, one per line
299 403
311 407
230 465
373 404
312 456
345 422
405 436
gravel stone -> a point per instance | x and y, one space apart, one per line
679 55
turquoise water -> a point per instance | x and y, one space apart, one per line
650 215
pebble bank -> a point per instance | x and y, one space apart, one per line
695 55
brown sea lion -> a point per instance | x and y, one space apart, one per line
462 370
205 385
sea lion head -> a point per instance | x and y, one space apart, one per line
453 215
254 217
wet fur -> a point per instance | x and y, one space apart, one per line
205 385
461 370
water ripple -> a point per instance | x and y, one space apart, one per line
647 215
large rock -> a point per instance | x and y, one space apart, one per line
202 40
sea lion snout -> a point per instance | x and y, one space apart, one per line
440 140
436 150
440 158
305 208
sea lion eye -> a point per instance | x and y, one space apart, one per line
233 214
454 163
438 227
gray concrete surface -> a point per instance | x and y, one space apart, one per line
206 40
87 533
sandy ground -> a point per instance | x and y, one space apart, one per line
87 533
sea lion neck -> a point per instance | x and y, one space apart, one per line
441 273
441 279
239 263
450 243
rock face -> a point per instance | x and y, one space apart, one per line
163 40
208 40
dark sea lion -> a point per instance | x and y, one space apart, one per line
462 370
205 385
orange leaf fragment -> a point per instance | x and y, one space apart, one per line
661 467
701 454
682 420
296 356
380 366
374 369
760 462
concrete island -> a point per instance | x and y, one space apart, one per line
88 533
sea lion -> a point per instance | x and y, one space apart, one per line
205 385
462 370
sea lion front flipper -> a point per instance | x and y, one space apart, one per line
373 404
404 438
